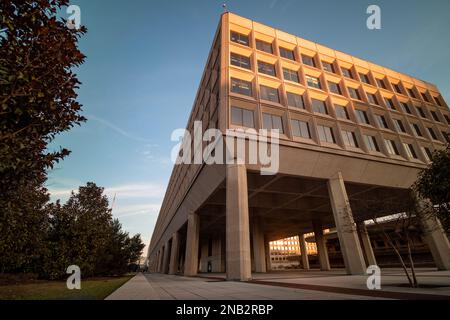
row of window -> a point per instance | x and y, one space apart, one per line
320 106
292 75
244 117
350 73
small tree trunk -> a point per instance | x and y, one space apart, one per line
411 262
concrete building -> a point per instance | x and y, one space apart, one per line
351 131
287 253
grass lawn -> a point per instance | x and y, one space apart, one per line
91 289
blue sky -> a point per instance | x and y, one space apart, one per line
144 63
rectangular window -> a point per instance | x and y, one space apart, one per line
380 83
410 150
389 103
341 112
313 82
425 97
362 117
308 60
240 61
421 112
295 100
435 116
264 46
347 73
354 94
349 138
399 125
381 120
364 78
266 68
417 130
411 92
372 98
241 87
328 66
428 154
242 117
272 122
446 136
391 147
286 53
432 133
326 134
300 129
319 106
290 75
239 38
397 87
405 107
269 93
371 143
447 118
334 87
438 101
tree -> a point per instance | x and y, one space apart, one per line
37 102
433 183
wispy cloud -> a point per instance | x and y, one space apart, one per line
117 129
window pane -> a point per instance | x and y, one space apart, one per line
308 60
240 61
362 116
334 87
347 73
241 87
239 38
341 112
304 130
295 100
328 66
319 106
354 93
372 98
236 116
266 68
286 53
313 82
290 75
264 46
380 83
371 143
405 107
364 78
277 123
248 118
267 121
270 94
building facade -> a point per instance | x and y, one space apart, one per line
351 131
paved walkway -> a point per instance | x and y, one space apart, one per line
299 285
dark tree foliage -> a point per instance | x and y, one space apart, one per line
434 184
37 101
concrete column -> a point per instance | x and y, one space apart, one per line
237 224
204 255
322 251
174 252
437 241
192 241
258 246
160 261
217 255
267 253
166 258
366 245
303 251
345 225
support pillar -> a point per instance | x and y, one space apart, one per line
174 252
437 241
204 246
192 241
166 257
217 255
258 246
160 261
303 252
322 251
345 225
267 253
366 245
237 224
